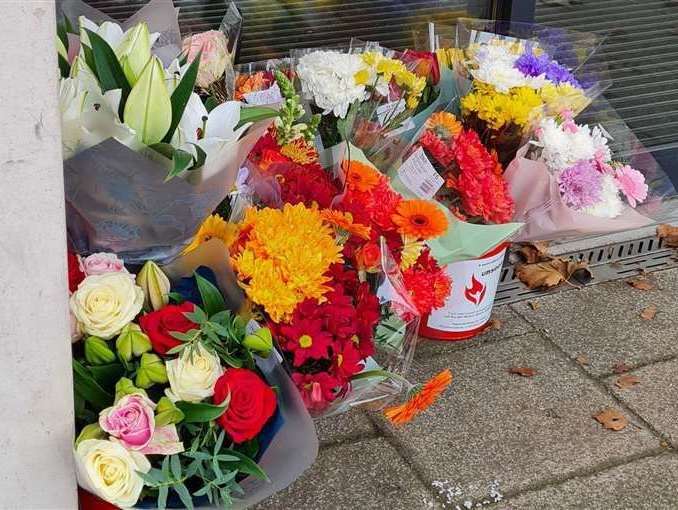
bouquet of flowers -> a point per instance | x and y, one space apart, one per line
128 124
376 87
569 184
178 403
512 75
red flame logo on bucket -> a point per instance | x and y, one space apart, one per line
476 292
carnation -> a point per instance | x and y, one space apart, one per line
328 77
610 204
581 185
564 147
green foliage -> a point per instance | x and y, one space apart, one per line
181 95
88 389
107 68
199 412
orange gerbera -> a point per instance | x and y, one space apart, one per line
420 219
344 221
420 400
359 176
444 124
299 151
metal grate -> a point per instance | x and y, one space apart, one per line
610 262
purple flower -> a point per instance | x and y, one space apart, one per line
532 65
581 185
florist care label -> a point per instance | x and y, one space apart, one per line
419 176
271 95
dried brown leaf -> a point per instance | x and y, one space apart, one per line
551 273
620 367
494 324
582 359
626 381
534 252
522 371
641 283
534 305
611 419
648 313
669 234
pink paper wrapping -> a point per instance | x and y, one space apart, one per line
539 205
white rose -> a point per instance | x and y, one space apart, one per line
109 471
105 303
192 377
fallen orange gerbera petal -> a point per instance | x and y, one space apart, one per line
420 400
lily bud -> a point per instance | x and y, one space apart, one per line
166 413
155 284
134 51
97 351
151 371
125 386
260 342
91 431
132 342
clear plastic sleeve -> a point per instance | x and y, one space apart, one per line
254 82
117 199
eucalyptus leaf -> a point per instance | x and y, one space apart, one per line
184 495
148 109
175 466
162 497
197 315
247 465
176 297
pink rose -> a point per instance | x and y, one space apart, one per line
131 420
632 183
214 56
100 263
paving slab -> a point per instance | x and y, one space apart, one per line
368 474
655 397
603 322
491 425
509 324
351 425
646 484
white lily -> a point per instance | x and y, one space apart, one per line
110 32
210 131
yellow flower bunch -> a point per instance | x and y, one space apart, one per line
519 106
561 97
281 257
387 69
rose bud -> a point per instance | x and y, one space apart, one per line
260 342
166 413
91 431
151 371
97 351
155 284
132 342
124 386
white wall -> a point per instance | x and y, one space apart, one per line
36 417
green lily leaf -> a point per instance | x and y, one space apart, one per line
134 51
255 114
181 95
148 109
200 159
64 68
108 70
181 160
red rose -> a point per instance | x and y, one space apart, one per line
252 403
425 64
368 256
75 274
158 325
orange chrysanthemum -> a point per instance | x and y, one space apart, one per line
420 219
344 221
444 124
420 400
300 151
359 176
246 83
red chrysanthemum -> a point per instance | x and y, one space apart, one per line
440 151
347 361
427 283
305 339
317 390
306 184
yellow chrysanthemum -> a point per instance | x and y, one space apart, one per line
283 257
213 227
520 106
412 248
299 151
563 97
